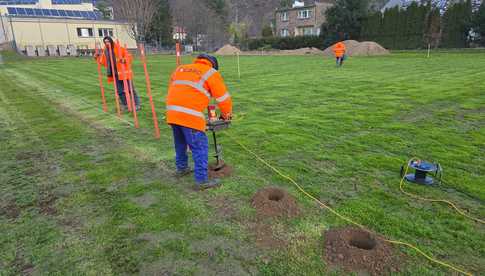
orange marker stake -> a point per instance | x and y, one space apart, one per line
133 103
100 77
117 98
149 91
178 53
125 82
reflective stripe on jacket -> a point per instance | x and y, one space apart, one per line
190 90
120 53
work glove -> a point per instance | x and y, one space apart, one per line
226 117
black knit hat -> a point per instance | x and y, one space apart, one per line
212 59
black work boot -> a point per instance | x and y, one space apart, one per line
213 183
183 172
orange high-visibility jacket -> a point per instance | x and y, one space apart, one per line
120 53
190 90
339 49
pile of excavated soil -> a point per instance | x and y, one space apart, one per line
224 172
356 250
355 48
275 202
228 50
369 48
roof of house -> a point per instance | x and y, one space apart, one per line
301 8
295 8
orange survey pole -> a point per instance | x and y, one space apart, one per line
123 72
100 77
149 91
113 73
132 92
178 53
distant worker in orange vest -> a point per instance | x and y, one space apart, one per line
339 50
190 90
121 57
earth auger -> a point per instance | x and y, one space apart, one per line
216 124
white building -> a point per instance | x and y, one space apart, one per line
49 24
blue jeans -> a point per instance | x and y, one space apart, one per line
198 144
340 60
120 86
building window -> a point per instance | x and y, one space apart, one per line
284 16
284 33
306 31
105 32
304 14
85 32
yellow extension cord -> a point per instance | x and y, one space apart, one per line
356 223
458 210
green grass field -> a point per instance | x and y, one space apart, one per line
82 192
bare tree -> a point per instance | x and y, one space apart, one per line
140 12
205 28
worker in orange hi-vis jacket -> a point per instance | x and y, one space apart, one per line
121 57
191 88
339 50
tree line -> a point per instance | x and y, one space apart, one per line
202 20
207 24
417 26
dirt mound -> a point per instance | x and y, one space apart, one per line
225 171
355 48
356 250
275 202
228 50
369 48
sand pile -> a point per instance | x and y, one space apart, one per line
228 50
355 48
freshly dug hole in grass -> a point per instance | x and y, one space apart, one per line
275 202
363 240
356 250
223 172
276 195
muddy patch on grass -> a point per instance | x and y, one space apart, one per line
22 266
223 246
356 250
463 113
145 200
265 236
31 155
10 210
271 204
275 202
223 172
214 255
46 204
158 238
224 206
